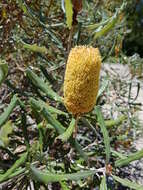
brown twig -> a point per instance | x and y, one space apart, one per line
76 127
70 39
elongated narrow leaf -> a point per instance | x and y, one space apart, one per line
22 6
106 28
4 132
117 154
39 83
5 115
125 161
127 183
15 166
60 129
67 134
69 13
51 120
78 148
16 173
104 132
97 25
49 76
3 71
110 24
38 104
47 177
103 185
47 28
34 47
110 123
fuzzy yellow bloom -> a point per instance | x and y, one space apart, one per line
82 79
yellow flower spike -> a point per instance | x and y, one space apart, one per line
82 79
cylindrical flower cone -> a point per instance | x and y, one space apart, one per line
82 79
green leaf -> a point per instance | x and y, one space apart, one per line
60 129
39 83
51 120
125 161
22 6
78 148
4 132
69 13
102 30
103 185
3 70
5 115
47 28
97 25
117 154
15 166
53 110
110 123
17 172
47 177
34 47
40 130
127 183
104 132
64 185
67 134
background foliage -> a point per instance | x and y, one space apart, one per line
37 148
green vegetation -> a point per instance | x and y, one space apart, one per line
39 145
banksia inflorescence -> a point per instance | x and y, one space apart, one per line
82 79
